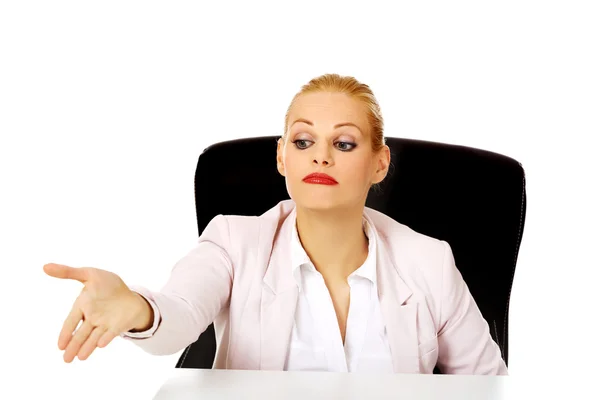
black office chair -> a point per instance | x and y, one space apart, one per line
473 199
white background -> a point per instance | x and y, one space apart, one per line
105 107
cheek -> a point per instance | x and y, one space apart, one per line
290 163
356 169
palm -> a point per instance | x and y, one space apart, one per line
102 310
101 296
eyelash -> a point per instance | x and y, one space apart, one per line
351 145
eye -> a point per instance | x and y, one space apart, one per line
345 146
301 143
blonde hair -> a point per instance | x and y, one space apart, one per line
350 86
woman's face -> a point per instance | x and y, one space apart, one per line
329 133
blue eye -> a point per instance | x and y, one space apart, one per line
301 144
345 146
342 146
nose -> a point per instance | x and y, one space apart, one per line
323 157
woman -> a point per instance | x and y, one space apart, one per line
319 282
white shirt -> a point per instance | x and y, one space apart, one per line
316 343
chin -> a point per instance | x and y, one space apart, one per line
317 203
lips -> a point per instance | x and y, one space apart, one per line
319 179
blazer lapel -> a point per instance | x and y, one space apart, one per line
278 302
400 318
280 295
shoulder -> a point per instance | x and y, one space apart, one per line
420 259
270 220
247 231
400 239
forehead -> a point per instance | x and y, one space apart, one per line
327 108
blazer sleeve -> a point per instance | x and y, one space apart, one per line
198 288
464 341
155 314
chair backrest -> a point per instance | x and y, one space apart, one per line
473 199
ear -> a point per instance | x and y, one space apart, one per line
383 164
280 165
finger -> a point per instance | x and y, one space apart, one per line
65 272
77 341
106 338
69 327
90 344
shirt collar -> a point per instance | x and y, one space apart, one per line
367 270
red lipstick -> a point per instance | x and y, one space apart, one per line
320 179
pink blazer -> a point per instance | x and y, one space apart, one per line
239 277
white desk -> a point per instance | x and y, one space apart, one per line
229 384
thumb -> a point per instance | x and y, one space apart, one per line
65 272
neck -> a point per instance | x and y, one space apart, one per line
334 240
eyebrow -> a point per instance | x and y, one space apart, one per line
335 126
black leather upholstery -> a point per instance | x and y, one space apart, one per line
473 199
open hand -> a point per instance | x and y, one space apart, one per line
105 308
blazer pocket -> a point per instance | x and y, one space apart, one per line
428 355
